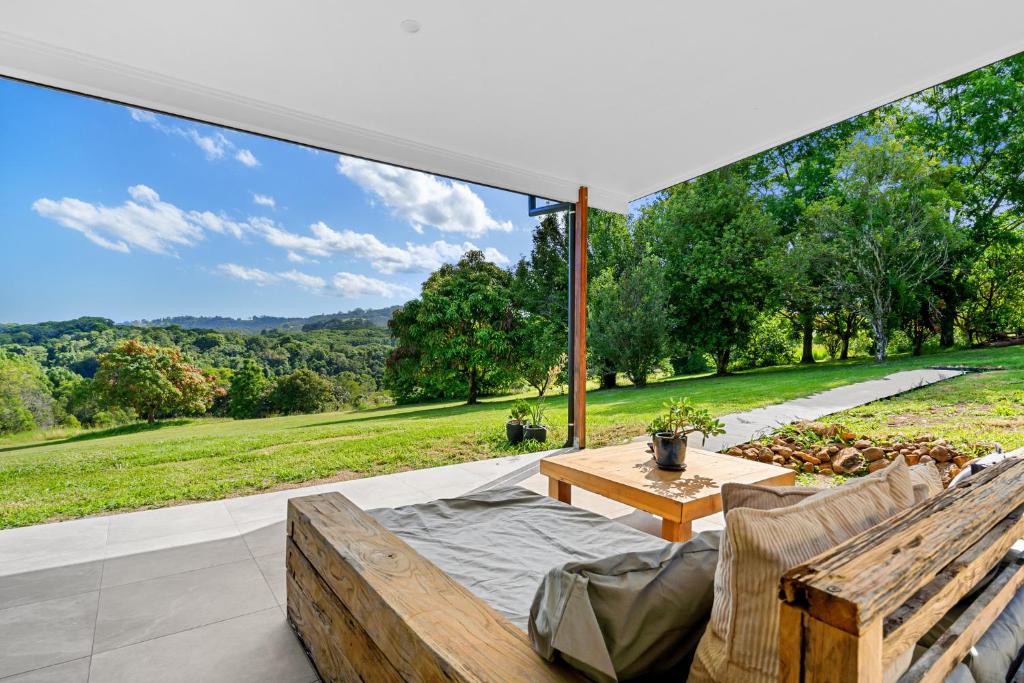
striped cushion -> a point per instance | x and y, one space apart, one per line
741 642
762 497
926 480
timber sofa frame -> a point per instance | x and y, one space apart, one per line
850 612
368 607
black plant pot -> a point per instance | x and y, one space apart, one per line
514 432
536 433
670 451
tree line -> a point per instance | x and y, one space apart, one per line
91 372
901 224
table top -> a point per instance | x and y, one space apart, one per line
628 474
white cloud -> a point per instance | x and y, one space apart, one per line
214 146
264 200
296 258
423 199
143 222
384 258
311 282
345 285
353 285
218 223
247 158
260 277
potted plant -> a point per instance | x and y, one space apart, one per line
516 419
669 432
535 428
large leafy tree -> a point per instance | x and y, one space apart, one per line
887 229
152 380
302 391
25 401
460 337
247 396
974 125
723 259
626 319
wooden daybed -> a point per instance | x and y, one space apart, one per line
368 607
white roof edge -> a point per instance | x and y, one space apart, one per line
38 62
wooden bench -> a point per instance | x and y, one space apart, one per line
367 607
850 612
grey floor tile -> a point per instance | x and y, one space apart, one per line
47 584
180 519
76 671
149 609
255 648
264 537
45 633
52 545
125 566
273 569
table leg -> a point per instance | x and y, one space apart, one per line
560 490
676 531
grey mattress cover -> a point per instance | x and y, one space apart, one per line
500 543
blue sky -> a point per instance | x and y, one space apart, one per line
110 211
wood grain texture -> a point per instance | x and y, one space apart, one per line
580 323
791 639
861 581
832 655
940 659
911 620
424 624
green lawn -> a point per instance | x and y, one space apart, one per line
204 459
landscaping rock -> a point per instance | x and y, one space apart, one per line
807 457
912 458
940 453
960 460
861 444
847 460
784 451
878 465
735 451
873 453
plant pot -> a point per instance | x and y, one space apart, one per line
514 432
670 451
536 433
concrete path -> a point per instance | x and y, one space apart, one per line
196 592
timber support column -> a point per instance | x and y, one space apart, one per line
579 323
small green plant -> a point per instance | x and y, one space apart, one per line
681 417
805 479
520 410
838 480
537 414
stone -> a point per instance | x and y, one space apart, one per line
735 451
807 457
960 460
925 459
808 468
940 453
925 438
861 444
751 453
847 460
833 449
873 453
848 436
784 451
766 457
878 465
778 460
827 471
912 458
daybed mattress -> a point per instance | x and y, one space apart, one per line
500 543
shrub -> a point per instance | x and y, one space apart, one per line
303 391
770 343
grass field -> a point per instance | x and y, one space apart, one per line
204 459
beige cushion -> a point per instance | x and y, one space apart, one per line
926 480
741 642
762 497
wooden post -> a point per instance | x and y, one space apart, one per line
579 397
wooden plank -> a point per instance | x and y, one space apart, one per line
674 531
791 642
941 658
905 626
832 655
870 575
425 624
335 641
580 330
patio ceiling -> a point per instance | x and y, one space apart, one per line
538 97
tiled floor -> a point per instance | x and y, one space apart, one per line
191 593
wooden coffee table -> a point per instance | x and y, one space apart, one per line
627 474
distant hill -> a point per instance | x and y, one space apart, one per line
359 317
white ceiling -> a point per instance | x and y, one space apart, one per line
534 96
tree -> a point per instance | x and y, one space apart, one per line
626 319
723 261
303 391
25 401
460 337
152 380
887 230
974 125
247 396
995 303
